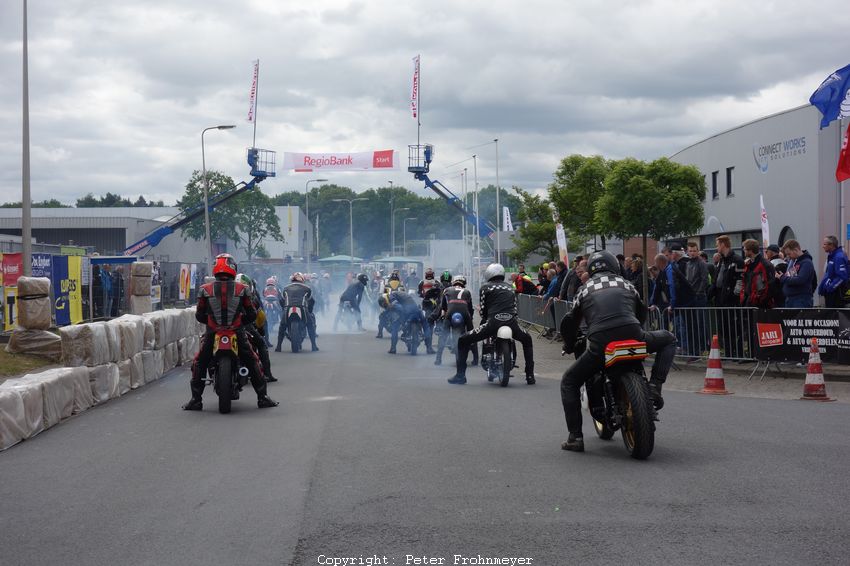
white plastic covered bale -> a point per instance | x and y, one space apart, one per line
140 285
137 370
37 342
105 382
13 422
34 306
187 348
85 345
125 371
150 335
140 304
59 389
141 268
113 340
33 400
171 357
132 331
152 364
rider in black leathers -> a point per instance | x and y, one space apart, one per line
405 308
455 299
430 291
297 294
257 333
353 294
498 308
612 310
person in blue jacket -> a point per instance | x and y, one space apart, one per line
799 280
835 276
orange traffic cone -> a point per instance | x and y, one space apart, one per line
815 388
714 382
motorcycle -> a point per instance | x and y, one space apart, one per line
349 316
296 327
412 334
497 357
456 329
226 374
618 397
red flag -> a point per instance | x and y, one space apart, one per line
842 172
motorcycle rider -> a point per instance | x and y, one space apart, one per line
353 294
297 294
455 300
498 308
612 310
256 330
394 283
406 308
430 291
271 298
225 303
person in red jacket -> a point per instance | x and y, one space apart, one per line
757 278
225 302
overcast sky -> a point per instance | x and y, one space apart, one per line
121 89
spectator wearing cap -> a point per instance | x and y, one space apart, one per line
835 276
677 254
799 281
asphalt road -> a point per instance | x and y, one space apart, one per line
371 454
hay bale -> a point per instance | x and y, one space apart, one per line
34 306
137 370
132 331
13 422
33 400
140 286
61 392
104 382
141 269
37 342
125 371
86 345
152 362
140 305
113 341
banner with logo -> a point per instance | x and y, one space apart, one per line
561 237
13 267
353 161
42 265
75 288
156 294
61 289
10 307
507 225
765 226
832 97
786 334
414 91
184 281
252 98
193 279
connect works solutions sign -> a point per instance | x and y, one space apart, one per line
764 154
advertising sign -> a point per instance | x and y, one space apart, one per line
786 334
61 290
156 294
75 288
13 267
10 307
381 160
185 274
42 265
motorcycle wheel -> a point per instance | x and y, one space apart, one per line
505 347
415 330
295 337
224 383
638 428
603 431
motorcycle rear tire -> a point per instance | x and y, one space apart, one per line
507 363
415 330
224 383
295 336
638 426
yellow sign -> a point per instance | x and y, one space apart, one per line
75 288
10 308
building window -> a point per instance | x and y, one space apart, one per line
729 174
714 194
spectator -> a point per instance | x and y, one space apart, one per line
637 275
710 267
551 293
621 259
673 290
697 275
106 283
627 268
726 293
117 290
677 252
561 269
521 270
572 281
758 277
799 281
662 294
834 284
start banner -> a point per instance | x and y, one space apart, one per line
786 334
361 161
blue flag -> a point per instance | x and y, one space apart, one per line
832 97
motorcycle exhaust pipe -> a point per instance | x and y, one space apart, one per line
243 371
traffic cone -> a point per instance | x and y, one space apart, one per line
815 388
714 382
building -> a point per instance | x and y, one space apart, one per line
109 231
786 158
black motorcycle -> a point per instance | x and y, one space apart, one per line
226 374
619 398
296 327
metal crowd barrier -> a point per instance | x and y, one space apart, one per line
694 326
529 309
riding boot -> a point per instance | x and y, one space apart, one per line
196 403
279 341
475 354
439 359
655 391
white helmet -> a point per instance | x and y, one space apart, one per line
494 270
459 280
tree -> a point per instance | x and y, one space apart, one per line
579 183
257 220
660 200
536 233
47 203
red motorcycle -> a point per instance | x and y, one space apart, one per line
226 374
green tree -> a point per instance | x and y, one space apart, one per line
223 222
47 203
108 200
536 233
578 184
257 220
658 200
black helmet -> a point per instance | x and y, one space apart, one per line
446 278
602 260
363 278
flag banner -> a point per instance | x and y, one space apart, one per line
765 227
361 161
61 289
41 265
561 237
185 273
507 225
75 288
842 171
832 97
414 91
13 267
252 99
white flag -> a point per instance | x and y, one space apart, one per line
765 227
561 237
252 106
414 93
507 226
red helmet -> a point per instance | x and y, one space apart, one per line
224 265
297 277
271 281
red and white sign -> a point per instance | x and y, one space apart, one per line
360 161
13 267
770 334
414 92
252 105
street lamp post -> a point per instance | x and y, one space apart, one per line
307 213
393 221
206 194
392 226
404 232
350 202
498 210
26 198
